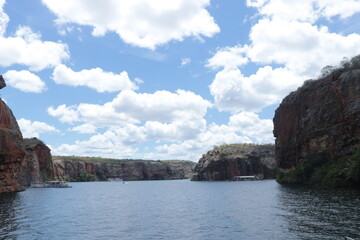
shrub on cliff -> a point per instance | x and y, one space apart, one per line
100 175
345 65
318 169
85 177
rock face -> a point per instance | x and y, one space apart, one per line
126 170
2 82
37 166
227 161
12 150
321 116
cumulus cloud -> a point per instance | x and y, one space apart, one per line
131 107
235 92
115 142
31 129
85 128
306 10
228 58
26 48
179 130
161 105
94 78
250 125
192 149
143 23
25 81
4 19
289 39
303 48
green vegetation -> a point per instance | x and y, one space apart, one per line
85 177
345 65
96 159
109 160
239 145
319 169
226 150
100 175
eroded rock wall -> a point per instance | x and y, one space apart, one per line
226 162
321 116
37 165
126 170
12 150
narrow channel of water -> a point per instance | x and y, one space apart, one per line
180 210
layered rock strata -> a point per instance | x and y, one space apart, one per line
227 161
321 116
126 170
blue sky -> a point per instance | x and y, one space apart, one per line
157 79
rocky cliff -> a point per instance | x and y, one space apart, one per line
37 165
322 116
12 150
227 161
72 167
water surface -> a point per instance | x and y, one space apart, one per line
180 210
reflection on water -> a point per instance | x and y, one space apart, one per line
9 209
314 213
180 210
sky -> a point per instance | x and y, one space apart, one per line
159 79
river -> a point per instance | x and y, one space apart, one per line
180 209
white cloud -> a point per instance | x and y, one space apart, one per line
193 148
4 19
31 129
65 113
250 125
26 48
228 58
306 10
84 128
303 48
143 23
115 143
235 92
185 61
179 130
131 107
94 78
161 105
285 38
25 81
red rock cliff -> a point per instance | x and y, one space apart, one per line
321 116
37 165
12 150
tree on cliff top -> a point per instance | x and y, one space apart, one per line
345 65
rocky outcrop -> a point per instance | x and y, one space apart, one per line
2 82
37 165
227 161
321 116
12 150
124 169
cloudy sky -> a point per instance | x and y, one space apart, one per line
159 79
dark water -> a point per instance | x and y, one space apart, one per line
180 210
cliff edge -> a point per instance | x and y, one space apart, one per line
317 128
12 150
